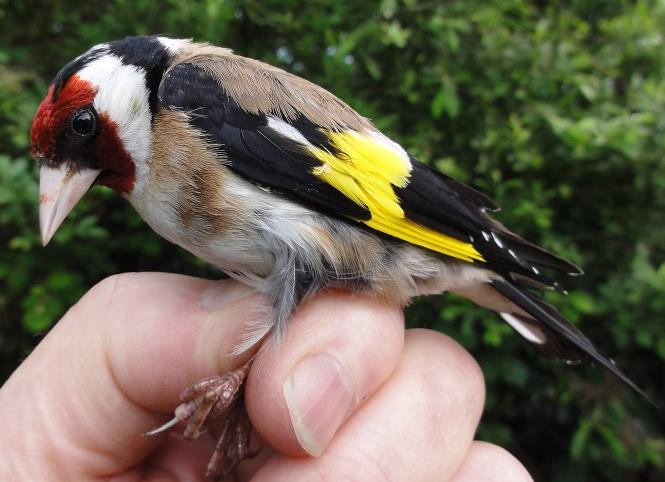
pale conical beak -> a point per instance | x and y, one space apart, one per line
60 188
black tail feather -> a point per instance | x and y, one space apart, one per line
555 323
536 255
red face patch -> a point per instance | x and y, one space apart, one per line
53 117
106 151
118 171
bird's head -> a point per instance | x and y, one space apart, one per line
94 125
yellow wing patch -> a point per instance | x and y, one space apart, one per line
366 172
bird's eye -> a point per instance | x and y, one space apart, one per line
83 123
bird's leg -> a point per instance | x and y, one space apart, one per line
215 405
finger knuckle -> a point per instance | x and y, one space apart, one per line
450 391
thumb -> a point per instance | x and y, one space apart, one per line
338 349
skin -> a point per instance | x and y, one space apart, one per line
113 368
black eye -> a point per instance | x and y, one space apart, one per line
83 123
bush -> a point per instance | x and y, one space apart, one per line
556 109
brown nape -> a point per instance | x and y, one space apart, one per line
260 88
181 157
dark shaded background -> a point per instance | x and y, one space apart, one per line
556 109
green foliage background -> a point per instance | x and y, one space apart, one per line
556 109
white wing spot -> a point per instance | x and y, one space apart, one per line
287 130
497 240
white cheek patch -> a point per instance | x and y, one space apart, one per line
122 95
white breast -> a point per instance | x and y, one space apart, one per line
263 224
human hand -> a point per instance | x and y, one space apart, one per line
372 403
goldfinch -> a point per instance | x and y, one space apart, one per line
283 186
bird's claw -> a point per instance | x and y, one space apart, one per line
215 405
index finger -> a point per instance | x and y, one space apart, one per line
117 360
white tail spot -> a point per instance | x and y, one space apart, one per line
529 332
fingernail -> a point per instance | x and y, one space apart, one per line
319 395
222 293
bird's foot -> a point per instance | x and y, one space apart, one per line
215 405
233 443
209 401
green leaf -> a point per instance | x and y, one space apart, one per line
580 439
445 101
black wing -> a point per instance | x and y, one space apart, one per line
274 161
